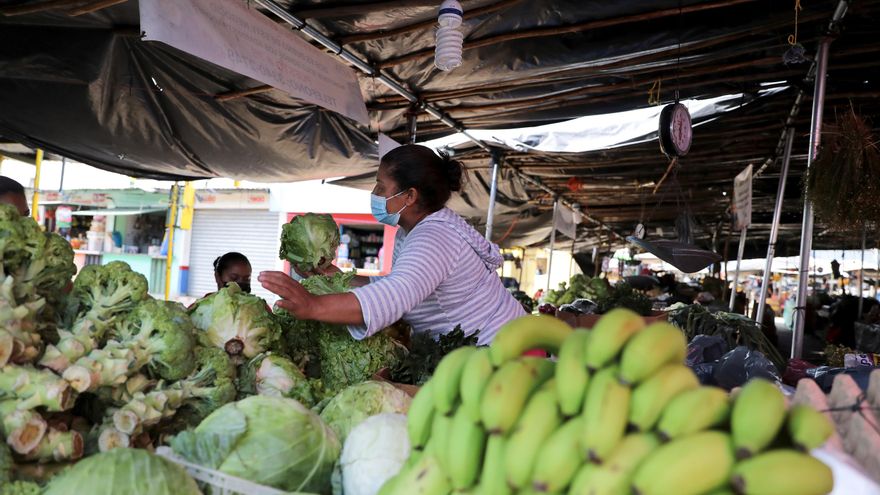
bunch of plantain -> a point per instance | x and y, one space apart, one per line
616 413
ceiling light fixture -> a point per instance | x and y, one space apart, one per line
449 40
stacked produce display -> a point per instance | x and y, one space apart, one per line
98 365
618 412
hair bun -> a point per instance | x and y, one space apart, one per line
455 173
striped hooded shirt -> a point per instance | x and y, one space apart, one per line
443 276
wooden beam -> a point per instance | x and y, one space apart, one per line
570 29
36 7
94 7
388 33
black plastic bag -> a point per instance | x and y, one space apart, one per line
705 349
824 376
741 365
705 373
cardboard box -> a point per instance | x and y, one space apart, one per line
589 321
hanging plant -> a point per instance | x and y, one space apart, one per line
843 183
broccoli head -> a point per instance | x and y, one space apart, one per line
49 272
160 334
237 322
107 292
213 383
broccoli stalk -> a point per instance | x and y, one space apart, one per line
156 335
34 388
106 294
20 342
23 428
207 389
57 445
101 367
111 438
125 392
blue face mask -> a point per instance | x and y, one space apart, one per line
379 208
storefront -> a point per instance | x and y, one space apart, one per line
232 220
104 226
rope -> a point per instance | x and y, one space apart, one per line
792 38
859 408
510 229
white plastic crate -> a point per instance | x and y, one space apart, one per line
222 483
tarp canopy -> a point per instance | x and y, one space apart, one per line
89 88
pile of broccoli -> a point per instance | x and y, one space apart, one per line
94 362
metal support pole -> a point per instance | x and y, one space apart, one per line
63 167
552 242
172 220
493 193
774 228
797 338
862 274
413 125
739 257
35 202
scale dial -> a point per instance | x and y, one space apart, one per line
676 131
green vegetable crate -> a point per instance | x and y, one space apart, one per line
217 483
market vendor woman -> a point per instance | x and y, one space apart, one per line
443 270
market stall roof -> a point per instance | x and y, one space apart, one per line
145 109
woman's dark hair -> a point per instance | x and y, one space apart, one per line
434 176
228 259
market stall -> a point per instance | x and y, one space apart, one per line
545 105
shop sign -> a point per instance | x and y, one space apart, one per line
232 199
742 199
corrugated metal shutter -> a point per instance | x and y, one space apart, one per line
254 233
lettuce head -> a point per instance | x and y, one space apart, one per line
309 241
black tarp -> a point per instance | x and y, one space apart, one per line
89 90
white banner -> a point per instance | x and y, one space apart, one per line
386 144
742 199
567 221
232 35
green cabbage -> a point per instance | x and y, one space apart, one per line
236 321
128 471
358 402
309 241
268 440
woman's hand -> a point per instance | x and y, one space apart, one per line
295 299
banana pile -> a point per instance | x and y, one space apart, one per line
617 413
